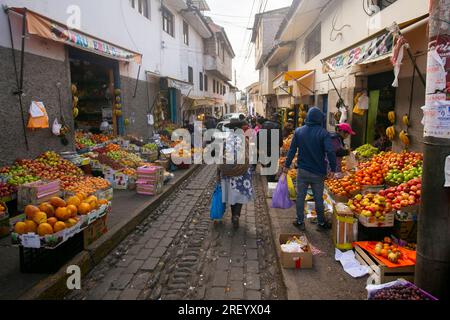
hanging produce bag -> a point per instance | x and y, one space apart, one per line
56 128
217 206
280 198
291 188
38 116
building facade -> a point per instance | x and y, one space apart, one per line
123 58
328 50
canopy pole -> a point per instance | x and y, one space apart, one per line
297 81
338 93
19 91
137 82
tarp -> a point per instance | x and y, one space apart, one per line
289 76
44 27
408 259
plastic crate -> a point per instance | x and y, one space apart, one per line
46 261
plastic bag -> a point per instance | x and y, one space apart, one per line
351 162
56 128
280 198
291 188
217 206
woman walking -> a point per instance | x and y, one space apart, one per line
236 179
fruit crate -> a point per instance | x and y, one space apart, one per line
372 189
371 222
37 192
379 272
95 231
373 289
46 261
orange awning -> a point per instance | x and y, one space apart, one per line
289 76
44 27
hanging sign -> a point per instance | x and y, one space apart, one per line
436 111
365 52
47 28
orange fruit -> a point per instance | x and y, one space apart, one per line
63 214
75 201
84 208
71 222
91 198
30 211
40 217
102 202
45 229
20 228
52 221
48 209
59 226
81 196
93 204
31 226
73 210
57 202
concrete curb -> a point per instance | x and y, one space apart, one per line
54 287
291 287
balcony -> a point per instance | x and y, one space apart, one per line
218 68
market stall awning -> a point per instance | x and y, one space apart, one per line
371 49
283 78
45 27
200 102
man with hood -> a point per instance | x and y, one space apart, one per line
314 147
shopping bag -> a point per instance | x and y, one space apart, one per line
280 198
217 206
291 188
351 162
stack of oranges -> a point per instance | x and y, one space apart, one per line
57 214
345 187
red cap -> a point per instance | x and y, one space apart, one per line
345 127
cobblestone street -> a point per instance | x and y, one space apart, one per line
178 253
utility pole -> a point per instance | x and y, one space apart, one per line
433 243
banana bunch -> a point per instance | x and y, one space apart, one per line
404 138
390 133
391 116
406 120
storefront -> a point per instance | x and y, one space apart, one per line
365 72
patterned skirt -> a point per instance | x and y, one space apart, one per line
237 189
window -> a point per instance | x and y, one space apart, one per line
141 6
185 33
190 75
214 86
201 81
313 44
225 90
206 83
383 4
223 54
167 20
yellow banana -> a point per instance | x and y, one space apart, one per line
406 120
75 112
392 117
390 133
404 138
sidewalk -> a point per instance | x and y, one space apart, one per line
128 210
327 279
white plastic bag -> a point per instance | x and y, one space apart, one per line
291 248
344 116
363 102
36 109
56 128
351 161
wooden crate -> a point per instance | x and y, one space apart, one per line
381 273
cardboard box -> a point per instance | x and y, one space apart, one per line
95 231
303 260
372 222
37 192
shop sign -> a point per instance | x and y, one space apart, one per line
46 28
365 52
436 111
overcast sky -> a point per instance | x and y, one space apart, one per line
234 15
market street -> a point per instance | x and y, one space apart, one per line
182 255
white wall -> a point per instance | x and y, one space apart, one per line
116 22
350 12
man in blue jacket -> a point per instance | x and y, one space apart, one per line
314 147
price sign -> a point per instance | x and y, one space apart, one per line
31 240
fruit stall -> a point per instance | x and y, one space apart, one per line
376 204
